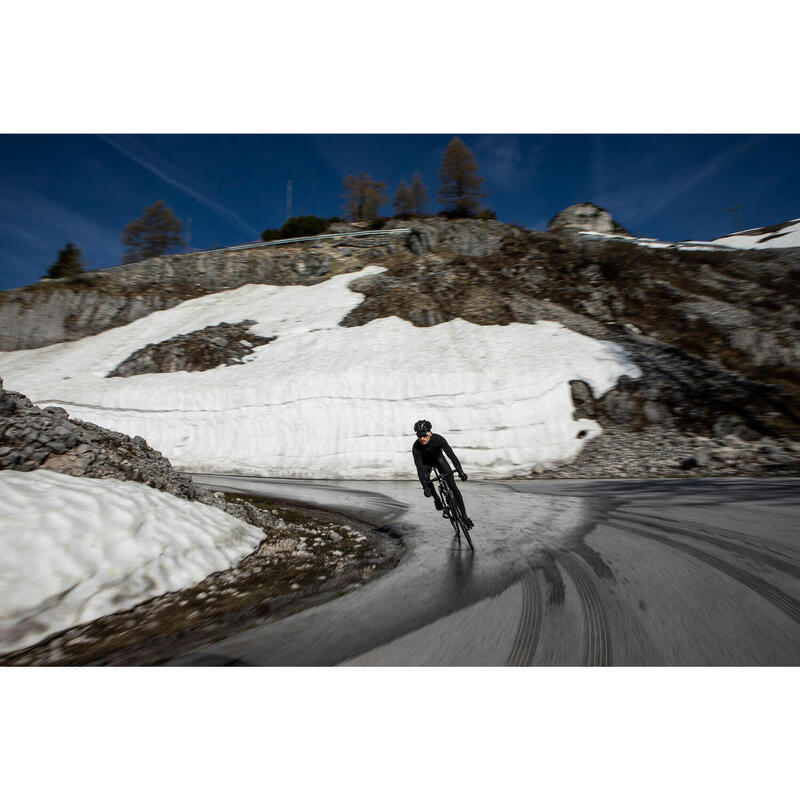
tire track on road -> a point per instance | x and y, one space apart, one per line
786 603
597 637
530 623
741 544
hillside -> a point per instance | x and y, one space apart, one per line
523 345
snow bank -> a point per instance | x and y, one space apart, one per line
324 401
788 236
75 549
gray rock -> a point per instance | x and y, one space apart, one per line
467 237
619 407
585 217
702 457
56 412
582 400
7 405
732 425
205 349
656 413
420 241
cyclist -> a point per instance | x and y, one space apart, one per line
429 451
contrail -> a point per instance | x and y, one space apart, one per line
707 171
223 212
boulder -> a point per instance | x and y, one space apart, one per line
656 413
585 217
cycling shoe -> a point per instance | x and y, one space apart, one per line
438 504
469 522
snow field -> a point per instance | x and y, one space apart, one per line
75 549
324 401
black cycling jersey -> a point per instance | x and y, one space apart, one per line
430 455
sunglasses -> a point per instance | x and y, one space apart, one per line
423 435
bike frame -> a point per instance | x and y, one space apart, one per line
452 511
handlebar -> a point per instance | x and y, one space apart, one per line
441 475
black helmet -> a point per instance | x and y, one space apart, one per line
422 426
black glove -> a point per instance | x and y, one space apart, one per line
462 475
427 491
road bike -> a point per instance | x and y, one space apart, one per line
451 509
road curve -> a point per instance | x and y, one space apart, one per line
564 573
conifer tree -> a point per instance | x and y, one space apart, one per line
68 264
460 186
155 232
363 196
402 200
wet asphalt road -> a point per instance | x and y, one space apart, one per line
583 573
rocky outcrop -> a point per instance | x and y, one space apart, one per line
225 344
46 438
673 454
464 237
33 438
62 310
53 311
585 217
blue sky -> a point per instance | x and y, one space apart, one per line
57 187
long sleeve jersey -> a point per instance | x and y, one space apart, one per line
429 455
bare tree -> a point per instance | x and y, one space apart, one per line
419 194
363 196
460 186
155 232
402 200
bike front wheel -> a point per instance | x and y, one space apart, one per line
467 536
459 524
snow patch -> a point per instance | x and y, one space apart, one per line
755 238
75 549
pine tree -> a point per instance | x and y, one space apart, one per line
460 186
402 200
419 194
153 234
68 264
363 196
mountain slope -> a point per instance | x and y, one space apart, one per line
515 342
322 400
